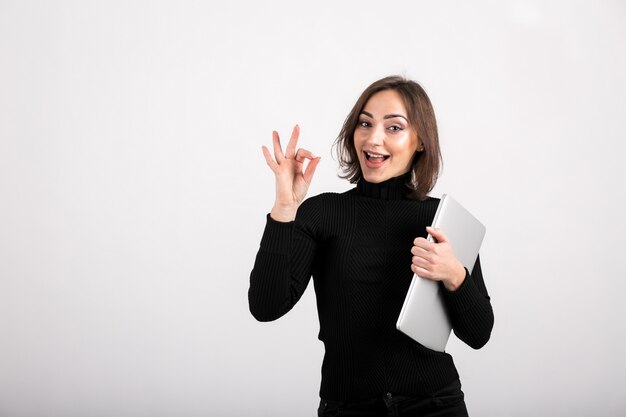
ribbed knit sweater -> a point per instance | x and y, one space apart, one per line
357 247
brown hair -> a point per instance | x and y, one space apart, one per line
426 164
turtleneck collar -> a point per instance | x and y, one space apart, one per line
393 189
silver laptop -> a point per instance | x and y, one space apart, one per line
423 316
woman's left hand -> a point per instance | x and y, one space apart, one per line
436 261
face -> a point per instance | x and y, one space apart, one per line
383 138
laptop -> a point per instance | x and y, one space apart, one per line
423 316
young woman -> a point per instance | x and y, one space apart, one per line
362 248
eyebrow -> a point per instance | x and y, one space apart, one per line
388 116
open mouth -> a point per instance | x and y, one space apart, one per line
374 157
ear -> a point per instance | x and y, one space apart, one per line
420 145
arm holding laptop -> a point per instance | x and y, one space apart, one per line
465 295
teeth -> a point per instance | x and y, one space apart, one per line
369 155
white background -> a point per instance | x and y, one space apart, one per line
133 194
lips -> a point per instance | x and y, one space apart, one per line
375 156
374 160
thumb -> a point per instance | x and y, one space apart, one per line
310 169
439 236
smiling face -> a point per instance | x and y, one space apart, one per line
384 141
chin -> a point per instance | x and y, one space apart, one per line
376 177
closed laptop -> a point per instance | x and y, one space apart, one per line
423 316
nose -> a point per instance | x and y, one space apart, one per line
377 135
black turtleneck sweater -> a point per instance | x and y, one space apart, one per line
357 246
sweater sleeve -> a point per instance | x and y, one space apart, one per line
283 265
470 309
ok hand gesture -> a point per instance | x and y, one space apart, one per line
292 179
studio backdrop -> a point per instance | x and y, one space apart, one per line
133 194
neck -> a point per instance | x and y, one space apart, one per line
392 189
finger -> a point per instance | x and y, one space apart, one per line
421 272
420 242
278 150
268 158
439 236
310 169
293 141
302 154
421 252
421 262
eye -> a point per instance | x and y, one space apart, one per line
395 128
364 123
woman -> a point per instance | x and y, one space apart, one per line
362 248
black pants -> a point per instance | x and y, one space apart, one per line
447 402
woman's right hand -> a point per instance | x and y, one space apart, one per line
292 179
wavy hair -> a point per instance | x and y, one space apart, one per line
426 164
